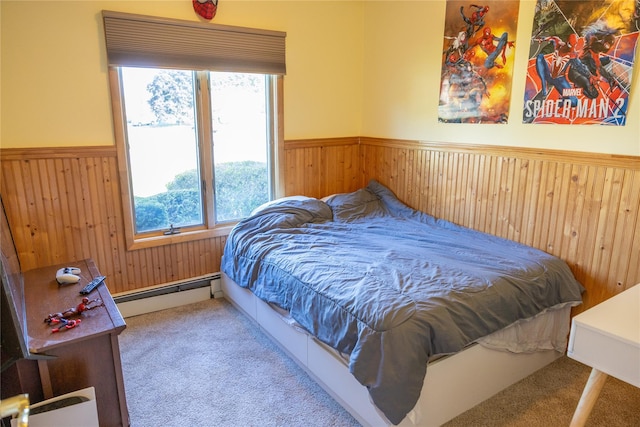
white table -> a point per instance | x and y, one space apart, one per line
607 338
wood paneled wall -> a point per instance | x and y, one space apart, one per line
64 204
581 207
319 167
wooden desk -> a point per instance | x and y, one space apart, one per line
87 355
607 338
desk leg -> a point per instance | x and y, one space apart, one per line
45 379
588 398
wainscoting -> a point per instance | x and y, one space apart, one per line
64 204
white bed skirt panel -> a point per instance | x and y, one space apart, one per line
453 384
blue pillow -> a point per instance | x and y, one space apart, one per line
360 204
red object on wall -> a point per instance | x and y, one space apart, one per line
205 8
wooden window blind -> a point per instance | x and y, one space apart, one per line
146 41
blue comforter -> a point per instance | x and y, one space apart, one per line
389 285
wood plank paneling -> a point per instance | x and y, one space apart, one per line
65 204
582 208
320 167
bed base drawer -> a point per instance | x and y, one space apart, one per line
453 384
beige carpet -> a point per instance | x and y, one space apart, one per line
206 364
549 398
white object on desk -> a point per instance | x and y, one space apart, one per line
607 338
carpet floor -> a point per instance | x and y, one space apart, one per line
206 364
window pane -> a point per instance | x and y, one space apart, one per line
162 147
240 143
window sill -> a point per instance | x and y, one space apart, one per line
187 236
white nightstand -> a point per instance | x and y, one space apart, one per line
607 338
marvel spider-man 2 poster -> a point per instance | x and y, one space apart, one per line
580 62
477 61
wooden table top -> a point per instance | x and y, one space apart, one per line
44 296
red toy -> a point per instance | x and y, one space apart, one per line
66 324
62 318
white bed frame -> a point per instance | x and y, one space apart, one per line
452 385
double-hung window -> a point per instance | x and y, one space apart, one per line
198 121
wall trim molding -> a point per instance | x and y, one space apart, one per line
565 156
58 152
291 144
582 157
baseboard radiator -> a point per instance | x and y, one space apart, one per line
169 295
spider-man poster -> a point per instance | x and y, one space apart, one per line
477 61
580 61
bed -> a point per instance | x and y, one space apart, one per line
371 296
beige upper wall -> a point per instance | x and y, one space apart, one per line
403 54
54 76
353 68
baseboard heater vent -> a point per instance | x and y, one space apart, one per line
200 282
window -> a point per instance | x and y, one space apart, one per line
197 131
165 146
